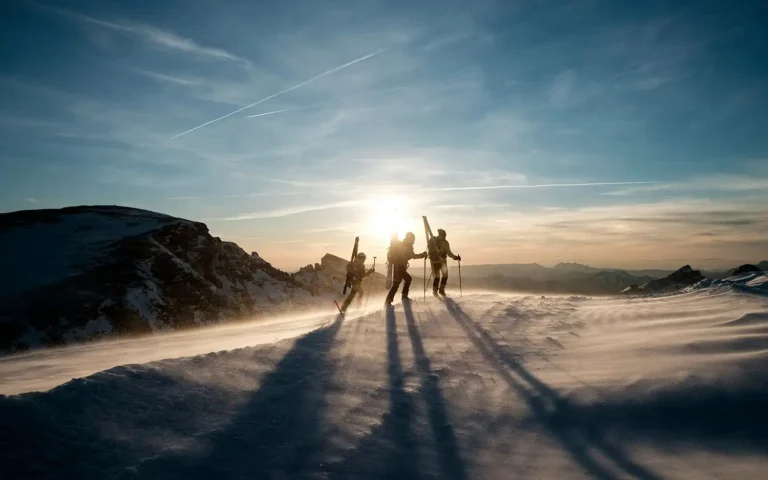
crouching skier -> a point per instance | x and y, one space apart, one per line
398 256
356 272
440 249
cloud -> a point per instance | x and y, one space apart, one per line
161 77
561 90
240 195
547 185
287 211
153 36
707 183
31 200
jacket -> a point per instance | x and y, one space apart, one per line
440 249
404 252
356 271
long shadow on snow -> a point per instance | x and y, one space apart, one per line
451 464
96 427
390 451
277 433
549 407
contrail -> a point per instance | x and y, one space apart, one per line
547 185
277 111
306 82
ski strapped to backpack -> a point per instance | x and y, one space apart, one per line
348 280
432 252
393 242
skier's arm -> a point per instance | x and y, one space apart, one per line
449 252
420 255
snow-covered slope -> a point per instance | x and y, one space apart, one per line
84 272
488 386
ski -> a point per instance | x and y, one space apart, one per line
337 306
431 253
347 280
393 240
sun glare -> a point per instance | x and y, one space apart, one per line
388 215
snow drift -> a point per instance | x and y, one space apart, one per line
488 386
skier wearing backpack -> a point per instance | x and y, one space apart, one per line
439 251
399 255
356 272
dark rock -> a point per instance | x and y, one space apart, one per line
85 272
678 279
747 268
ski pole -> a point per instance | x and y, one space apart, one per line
425 279
461 293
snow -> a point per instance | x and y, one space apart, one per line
53 252
100 325
485 386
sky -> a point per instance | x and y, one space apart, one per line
616 134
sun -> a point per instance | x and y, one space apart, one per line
388 215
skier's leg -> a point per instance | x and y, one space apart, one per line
436 281
360 297
349 298
397 277
444 280
407 285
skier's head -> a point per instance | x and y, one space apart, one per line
361 256
409 237
441 232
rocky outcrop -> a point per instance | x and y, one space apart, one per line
328 276
86 272
746 268
677 280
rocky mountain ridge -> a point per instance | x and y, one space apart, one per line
86 272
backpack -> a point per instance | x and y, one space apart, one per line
433 250
396 253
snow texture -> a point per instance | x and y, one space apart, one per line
487 386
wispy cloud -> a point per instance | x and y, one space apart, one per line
561 89
151 35
240 195
281 92
172 79
546 185
718 182
31 200
287 211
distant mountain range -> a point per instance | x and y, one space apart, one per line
575 278
87 272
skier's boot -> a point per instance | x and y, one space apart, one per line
434 292
406 299
442 286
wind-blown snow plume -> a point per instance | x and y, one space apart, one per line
299 85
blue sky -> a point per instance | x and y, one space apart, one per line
497 119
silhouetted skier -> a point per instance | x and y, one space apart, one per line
399 255
439 252
357 272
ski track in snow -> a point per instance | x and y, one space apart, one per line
485 386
